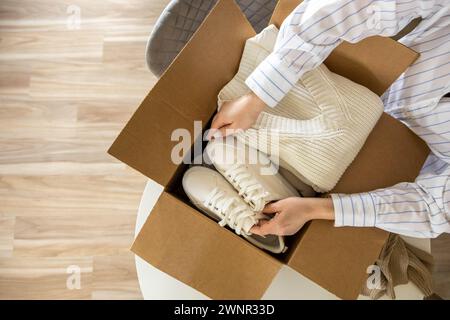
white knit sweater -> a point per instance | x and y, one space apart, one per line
319 126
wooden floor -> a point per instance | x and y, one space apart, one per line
64 96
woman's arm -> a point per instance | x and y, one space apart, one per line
315 28
420 209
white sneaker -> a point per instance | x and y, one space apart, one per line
250 172
212 194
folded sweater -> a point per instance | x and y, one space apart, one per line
318 128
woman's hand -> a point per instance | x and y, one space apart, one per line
240 113
292 213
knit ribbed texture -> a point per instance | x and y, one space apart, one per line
320 124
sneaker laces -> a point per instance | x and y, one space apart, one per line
229 210
249 188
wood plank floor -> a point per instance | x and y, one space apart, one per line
64 96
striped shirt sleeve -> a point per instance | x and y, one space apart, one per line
411 209
315 28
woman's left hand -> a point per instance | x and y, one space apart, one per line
291 214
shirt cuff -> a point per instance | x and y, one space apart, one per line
272 80
358 210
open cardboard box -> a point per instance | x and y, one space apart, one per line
191 247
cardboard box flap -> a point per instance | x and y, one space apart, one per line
209 258
337 258
391 154
352 60
375 62
187 91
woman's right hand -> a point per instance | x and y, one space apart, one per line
238 114
291 214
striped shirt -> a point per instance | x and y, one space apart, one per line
307 37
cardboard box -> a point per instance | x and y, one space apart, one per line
191 247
